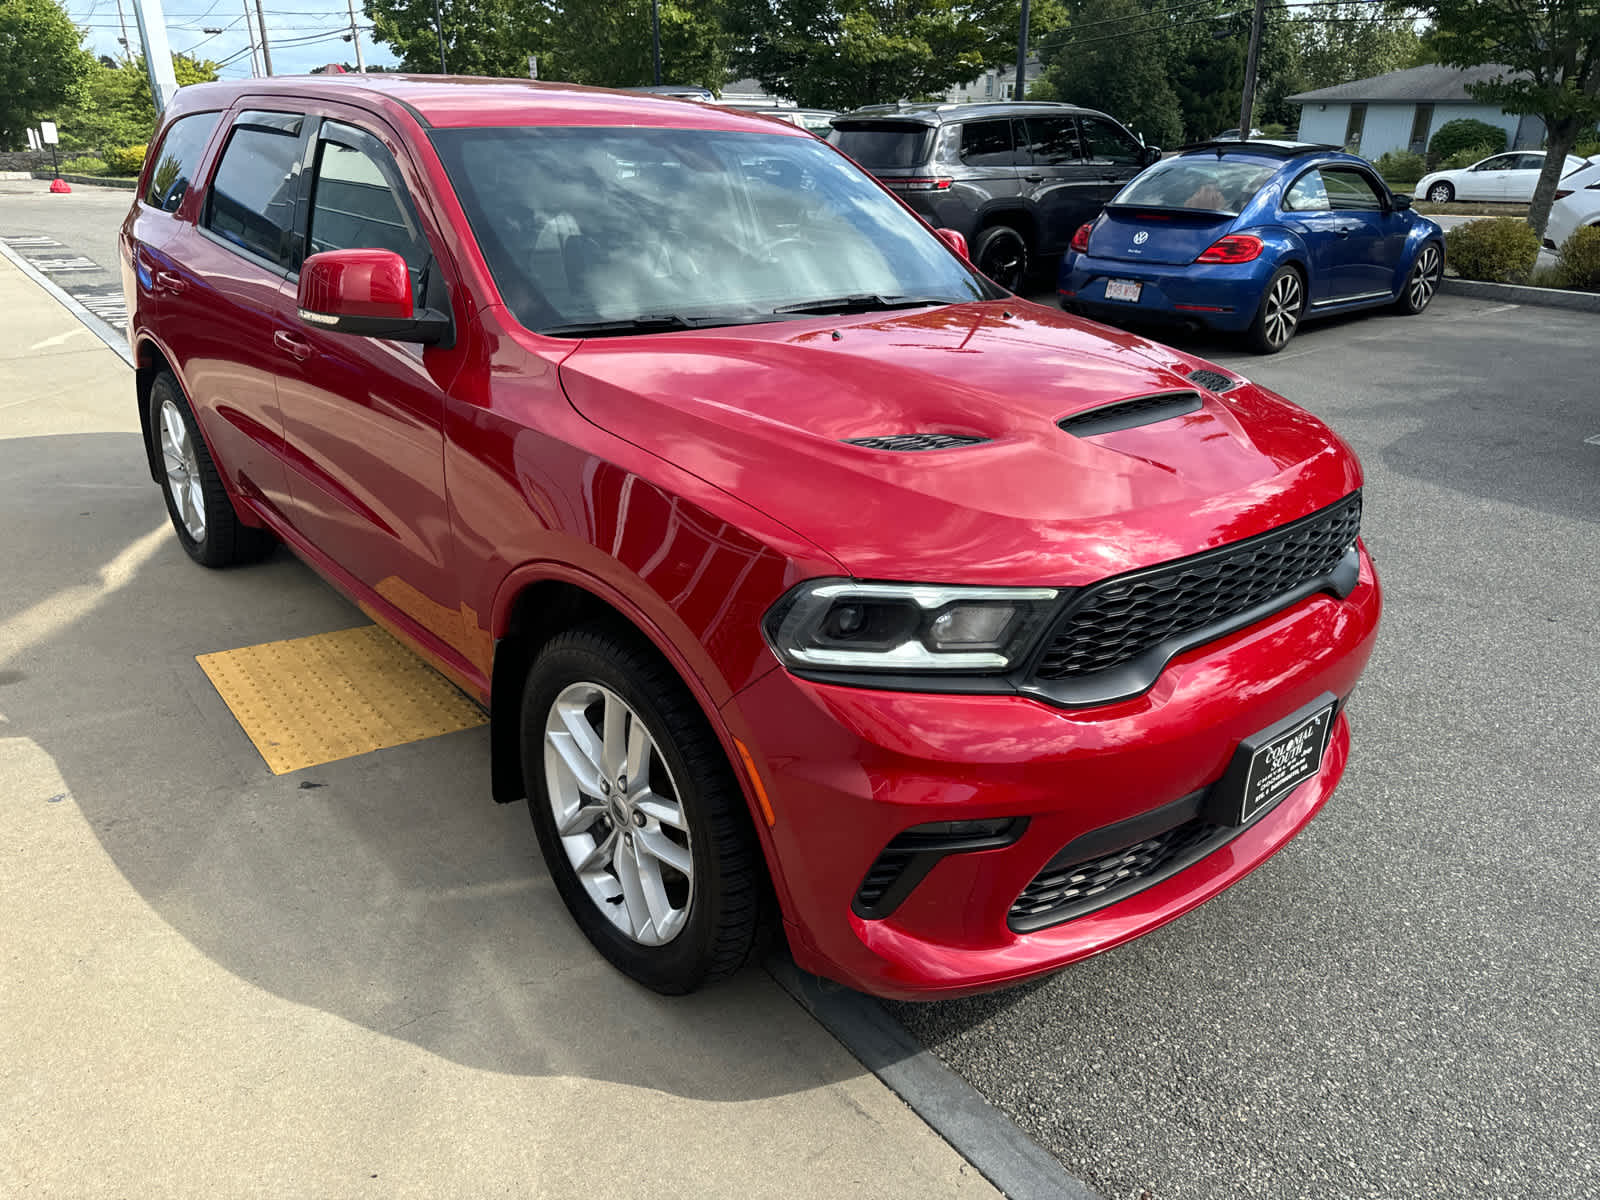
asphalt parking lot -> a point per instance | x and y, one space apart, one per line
1402 1003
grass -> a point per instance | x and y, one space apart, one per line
1474 209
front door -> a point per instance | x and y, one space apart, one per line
1362 261
363 417
1489 179
1113 154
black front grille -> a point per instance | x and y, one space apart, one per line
1157 611
1214 381
916 441
1060 893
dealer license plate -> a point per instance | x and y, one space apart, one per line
1269 765
1123 289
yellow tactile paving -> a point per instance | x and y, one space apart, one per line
315 699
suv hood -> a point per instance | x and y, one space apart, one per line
764 412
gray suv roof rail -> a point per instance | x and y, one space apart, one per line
928 113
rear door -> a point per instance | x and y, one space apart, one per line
990 151
1060 183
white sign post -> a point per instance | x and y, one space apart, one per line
47 133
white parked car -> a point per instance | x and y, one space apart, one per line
1509 177
1577 204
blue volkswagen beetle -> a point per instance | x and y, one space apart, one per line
1253 237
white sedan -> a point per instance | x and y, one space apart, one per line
1577 204
1509 177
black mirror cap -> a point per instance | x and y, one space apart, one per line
1152 154
430 326
1399 201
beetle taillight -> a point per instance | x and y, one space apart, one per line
1235 248
1080 240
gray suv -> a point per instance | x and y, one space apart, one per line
1015 179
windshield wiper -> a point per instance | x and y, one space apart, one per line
865 302
649 323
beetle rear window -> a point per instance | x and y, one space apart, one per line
1205 183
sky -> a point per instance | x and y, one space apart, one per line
301 34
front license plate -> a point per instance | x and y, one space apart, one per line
1123 289
1269 765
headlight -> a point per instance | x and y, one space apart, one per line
844 625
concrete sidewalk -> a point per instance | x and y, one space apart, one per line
349 980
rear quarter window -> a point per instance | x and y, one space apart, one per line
884 144
177 160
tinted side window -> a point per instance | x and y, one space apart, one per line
1350 190
359 203
177 159
253 192
1308 194
1500 162
987 144
1106 142
1053 141
1529 162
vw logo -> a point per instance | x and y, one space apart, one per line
1140 238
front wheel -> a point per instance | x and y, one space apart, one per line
1441 192
1422 282
1279 314
1002 255
639 817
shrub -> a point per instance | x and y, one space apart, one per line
1499 249
86 165
1274 130
1465 157
1578 260
1454 136
126 160
1587 149
1401 166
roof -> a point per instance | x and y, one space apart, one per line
942 112
1264 147
450 101
1427 83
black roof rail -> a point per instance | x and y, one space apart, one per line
1264 146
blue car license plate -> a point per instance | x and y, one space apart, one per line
1123 289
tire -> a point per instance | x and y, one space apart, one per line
202 515
1441 192
1001 253
1278 316
681 836
1423 280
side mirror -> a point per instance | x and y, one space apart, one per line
365 292
1400 202
955 241
1152 154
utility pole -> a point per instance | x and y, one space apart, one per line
1022 56
655 33
266 50
250 33
355 37
438 24
157 52
127 46
1251 58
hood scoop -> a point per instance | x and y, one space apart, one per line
1130 414
912 442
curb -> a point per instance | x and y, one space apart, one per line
955 1110
1515 293
106 333
105 181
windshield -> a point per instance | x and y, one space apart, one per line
878 145
588 225
1198 182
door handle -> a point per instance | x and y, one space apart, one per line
1343 231
1034 178
172 281
292 345
1113 177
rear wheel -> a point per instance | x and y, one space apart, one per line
1423 280
202 515
1442 192
1279 314
639 817
1002 254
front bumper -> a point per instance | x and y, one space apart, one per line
850 768
1219 296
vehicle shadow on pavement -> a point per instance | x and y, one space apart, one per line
385 889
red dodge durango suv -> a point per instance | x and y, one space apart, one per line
807 576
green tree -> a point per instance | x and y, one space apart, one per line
115 108
1119 56
607 43
1552 51
1353 41
481 37
42 66
846 53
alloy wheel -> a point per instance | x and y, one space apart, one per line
1002 262
1424 279
1283 309
183 471
618 813
1440 194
